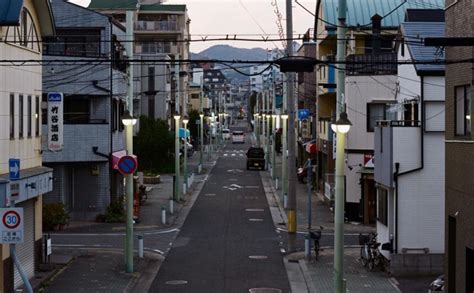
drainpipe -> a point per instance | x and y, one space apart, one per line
422 154
111 98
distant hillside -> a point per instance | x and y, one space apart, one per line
226 52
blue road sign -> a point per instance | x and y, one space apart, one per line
127 165
14 169
303 114
54 97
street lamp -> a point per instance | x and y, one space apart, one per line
267 139
128 120
176 155
185 163
274 119
201 140
284 161
341 127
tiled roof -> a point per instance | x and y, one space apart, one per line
10 11
414 31
359 12
132 4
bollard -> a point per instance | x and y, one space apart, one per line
140 246
276 183
344 285
285 201
184 187
171 206
199 168
307 247
163 215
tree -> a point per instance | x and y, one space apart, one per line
154 145
193 126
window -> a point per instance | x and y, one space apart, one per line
378 111
115 116
121 111
463 110
29 117
12 116
151 80
37 116
382 206
410 113
76 111
20 116
74 42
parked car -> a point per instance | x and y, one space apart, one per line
255 158
238 137
226 133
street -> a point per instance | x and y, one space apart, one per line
228 242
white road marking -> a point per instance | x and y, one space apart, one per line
256 220
254 210
236 186
252 186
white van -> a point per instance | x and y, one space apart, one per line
238 137
226 134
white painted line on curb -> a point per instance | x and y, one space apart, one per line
254 210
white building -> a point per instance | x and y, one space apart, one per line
409 161
20 129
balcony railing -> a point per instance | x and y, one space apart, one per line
372 64
143 25
398 123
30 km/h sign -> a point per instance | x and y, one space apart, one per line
127 165
11 226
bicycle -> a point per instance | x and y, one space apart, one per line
316 236
369 252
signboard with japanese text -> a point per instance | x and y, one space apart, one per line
11 226
55 121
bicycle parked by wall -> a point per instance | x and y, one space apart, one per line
370 255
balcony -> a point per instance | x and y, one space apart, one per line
326 78
156 26
372 64
396 142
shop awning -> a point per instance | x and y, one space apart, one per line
311 147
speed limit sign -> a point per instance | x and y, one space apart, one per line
11 226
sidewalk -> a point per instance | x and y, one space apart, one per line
102 270
318 275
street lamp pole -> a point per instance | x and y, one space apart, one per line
185 159
274 119
340 144
129 146
176 155
284 161
201 139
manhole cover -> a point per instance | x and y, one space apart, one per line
256 220
258 257
264 290
177 282
254 210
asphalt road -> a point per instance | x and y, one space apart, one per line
228 242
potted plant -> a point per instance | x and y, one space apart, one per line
55 216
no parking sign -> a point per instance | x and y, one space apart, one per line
11 225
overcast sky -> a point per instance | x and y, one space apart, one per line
239 17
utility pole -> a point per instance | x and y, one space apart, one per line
129 145
284 142
291 135
340 143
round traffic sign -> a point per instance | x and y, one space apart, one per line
11 219
127 165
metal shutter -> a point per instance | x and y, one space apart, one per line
25 251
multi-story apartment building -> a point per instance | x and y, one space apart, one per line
23 25
459 241
369 91
161 31
409 156
94 99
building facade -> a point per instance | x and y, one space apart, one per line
85 180
20 131
409 160
459 241
162 32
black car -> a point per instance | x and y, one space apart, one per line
255 158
